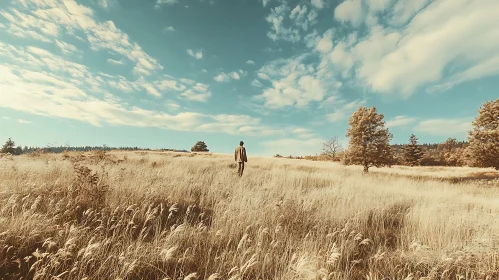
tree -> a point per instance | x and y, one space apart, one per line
200 147
332 147
9 147
448 146
412 151
483 150
369 139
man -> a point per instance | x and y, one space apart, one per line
240 158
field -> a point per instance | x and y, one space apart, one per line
135 215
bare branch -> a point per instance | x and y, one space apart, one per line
332 147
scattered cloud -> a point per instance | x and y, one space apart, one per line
46 20
256 83
21 121
250 62
344 110
294 83
169 29
234 75
66 48
399 121
445 127
50 95
319 4
172 106
196 96
116 62
107 4
349 11
390 58
6 118
303 133
187 81
159 3
291 24
197 55
226 77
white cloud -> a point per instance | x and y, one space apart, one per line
250 62
399 121
30 94
287 24
172 106
197 55
319 4
256 83
235 76
159 3
151 89
349 11
39 82
376 6
195 96
46 20
489 67
294 83
312 39
204 71
107 4
405 10
344 110
225 77
21 121
222 78
170 84
66 48
187 81
394 57
263 76
303 133
278 31
325 44
116 62
169 28
445 127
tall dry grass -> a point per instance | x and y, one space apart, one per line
165 215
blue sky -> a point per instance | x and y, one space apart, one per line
280 75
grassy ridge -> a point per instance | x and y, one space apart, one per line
131 215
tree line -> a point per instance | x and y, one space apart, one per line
10 147
369 143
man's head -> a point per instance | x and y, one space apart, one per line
241 143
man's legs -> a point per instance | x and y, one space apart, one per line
241 169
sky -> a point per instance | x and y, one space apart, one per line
280 75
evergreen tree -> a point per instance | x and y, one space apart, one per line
9 147
412 151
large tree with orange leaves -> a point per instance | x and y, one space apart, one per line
369 143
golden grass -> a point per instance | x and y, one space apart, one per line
135 215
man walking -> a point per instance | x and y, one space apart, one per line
240 158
